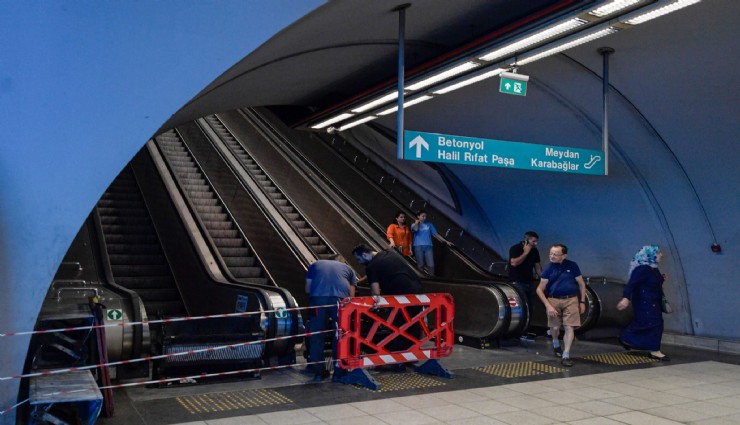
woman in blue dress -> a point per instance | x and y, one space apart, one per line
644 290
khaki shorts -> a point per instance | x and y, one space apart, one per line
568 312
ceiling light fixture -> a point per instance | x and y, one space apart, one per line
533 39
567 43
377 102
332 121
467 66
658 9
469 81
612 7
356 122
406 104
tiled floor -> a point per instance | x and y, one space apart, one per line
702 393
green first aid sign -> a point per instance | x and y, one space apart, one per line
434 147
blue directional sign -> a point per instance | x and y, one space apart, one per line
433 147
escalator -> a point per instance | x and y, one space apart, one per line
134 253
226 235
267 185
499 314
482 261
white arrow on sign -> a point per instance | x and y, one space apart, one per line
418 143
508 86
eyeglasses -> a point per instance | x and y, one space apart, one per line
552 254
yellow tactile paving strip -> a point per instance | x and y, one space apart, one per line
620 359
518 370
404 381
222 402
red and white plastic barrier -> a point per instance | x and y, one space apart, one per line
421 322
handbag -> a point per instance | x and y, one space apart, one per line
665 306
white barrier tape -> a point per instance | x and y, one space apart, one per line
150 322
11 408
160 381
162 356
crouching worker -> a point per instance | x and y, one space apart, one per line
327 282
388 273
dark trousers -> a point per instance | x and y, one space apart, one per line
318 322
527 289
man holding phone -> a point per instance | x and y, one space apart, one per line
525 268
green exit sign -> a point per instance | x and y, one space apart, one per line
511 86
513 83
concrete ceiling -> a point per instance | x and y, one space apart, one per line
346 47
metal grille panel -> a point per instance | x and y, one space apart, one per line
244 352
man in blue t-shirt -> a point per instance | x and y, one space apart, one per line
563 292
327 282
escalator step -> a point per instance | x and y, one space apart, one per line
204 207
145 282
218 225
240 272
228 242
240 261
121 248
214 216
223 234
313 240
127 229
305 231
131 239
292 216
227 252
321 249
139 270
124 217
133 259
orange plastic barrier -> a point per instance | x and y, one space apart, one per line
395 329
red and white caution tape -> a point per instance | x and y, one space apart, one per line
162 381
162 356
150 322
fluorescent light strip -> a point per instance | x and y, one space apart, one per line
657 11
332 120
405 104
443 75
612 7
532 39
469 81
377 102
557 49
356 123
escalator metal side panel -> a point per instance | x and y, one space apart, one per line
518 318
480 310
275 255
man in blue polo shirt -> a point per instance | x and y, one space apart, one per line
563 292
327 282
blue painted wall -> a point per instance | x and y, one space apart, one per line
83 85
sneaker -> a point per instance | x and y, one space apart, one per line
558 351
567 362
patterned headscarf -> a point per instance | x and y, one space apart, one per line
646 256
